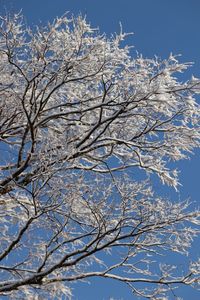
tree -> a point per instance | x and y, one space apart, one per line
80 118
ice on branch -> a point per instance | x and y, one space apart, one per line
80 119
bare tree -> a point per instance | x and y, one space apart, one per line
79 120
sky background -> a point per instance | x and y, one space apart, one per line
160 27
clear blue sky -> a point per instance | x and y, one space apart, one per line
160 27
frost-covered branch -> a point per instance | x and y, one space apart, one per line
77 115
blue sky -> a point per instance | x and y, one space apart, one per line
160 27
